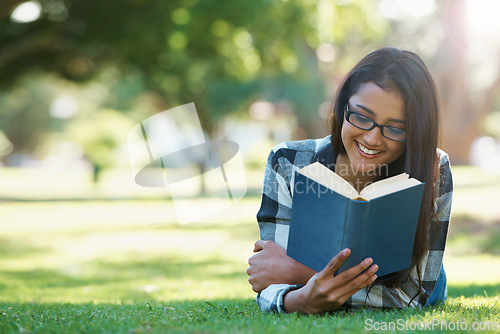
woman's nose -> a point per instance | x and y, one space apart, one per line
373 137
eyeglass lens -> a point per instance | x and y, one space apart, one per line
366 123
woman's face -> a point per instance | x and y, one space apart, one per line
369 150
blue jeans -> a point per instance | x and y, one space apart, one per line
440 292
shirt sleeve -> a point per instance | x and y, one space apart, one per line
274 220
276 207
271 298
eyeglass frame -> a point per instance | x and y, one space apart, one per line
375 124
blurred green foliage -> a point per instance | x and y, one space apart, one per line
100 135
25 114
491 124
221 55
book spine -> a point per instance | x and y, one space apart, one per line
355 228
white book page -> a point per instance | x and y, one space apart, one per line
379 184
387 188
321 174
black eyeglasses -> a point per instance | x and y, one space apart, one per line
364 123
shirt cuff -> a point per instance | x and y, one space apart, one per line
271 298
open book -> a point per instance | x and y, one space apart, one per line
326 177
328 215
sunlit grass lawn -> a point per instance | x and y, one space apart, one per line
127 266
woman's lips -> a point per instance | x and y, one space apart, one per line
366 152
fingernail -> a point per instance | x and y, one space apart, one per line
345 251
375 268
368 261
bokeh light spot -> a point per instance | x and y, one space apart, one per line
26 12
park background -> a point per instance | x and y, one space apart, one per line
84 248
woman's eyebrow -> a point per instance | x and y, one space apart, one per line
373 113
365 109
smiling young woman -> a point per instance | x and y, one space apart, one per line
384 122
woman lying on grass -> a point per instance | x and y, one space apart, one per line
385 113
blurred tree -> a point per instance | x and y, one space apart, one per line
25 116
465 64
464 105
222 55
217 54
100 135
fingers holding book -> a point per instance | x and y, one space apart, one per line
351 280
325 291
336 262
357 278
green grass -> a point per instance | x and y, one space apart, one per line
126 266
241 316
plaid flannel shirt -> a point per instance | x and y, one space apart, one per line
274 222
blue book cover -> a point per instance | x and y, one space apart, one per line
324 222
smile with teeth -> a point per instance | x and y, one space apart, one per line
367 151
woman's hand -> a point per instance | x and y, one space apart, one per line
324 291
271 265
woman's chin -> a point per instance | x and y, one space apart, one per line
364 168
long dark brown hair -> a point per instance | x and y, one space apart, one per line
405 73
